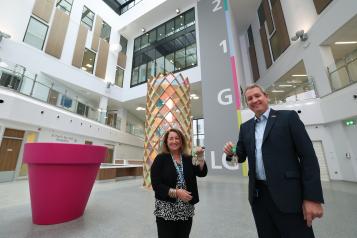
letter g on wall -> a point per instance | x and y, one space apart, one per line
225 97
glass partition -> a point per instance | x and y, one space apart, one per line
344 72
17 78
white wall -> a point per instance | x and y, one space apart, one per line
342 137
14 17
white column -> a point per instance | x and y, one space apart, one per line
103 104
316 60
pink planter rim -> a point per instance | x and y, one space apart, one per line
62 153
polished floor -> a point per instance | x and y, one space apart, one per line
123 209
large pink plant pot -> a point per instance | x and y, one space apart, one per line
61 177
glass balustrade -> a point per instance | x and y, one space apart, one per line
344 72
17 78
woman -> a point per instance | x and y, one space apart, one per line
173 178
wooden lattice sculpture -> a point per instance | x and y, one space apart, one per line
167 106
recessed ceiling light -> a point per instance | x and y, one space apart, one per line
285 85
178 10
89 65
277 91
140 109
345 42
299 75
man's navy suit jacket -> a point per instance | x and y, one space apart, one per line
291 166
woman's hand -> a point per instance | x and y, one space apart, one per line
183 195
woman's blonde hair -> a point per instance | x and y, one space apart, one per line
165 147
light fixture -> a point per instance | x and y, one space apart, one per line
277 91
345 42
84 68
143 29
178 11
4 35
300 35
285 85
89 65
298 75
140 109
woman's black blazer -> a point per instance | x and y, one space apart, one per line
164 176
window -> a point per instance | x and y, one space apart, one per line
179 23
36 33
124 44
191 55
105 32
168 48
137 44
190 18
170 28
65 5
82 109
180 59
88 60
198 132
161 32
87 17
119 77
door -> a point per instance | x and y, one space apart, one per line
9 152
322 161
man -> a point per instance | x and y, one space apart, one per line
284 177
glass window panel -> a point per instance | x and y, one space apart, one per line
151 55
137 44
151 69
36 33
194 127
124 44
142 73
65 5
82 109
169 63
179 23
135 76
105 32
201 140
161 32
119 77
87 17
88 60
189 18
180 59
40 91
160 67
200 126
152 36
170 27
191 56
144 40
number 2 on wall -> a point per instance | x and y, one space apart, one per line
217 7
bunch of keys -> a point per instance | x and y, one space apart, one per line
234 159
195 160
